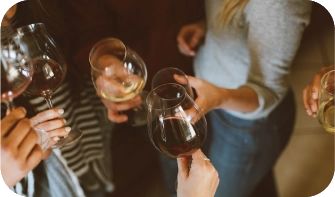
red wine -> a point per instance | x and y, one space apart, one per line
48 76
176 137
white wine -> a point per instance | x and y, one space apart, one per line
118 90
326 115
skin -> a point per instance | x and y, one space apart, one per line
201 180
243 99
19 151
311 92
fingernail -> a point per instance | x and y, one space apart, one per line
308 112
56 139
61 111
64 121
68 129
313 107
314 96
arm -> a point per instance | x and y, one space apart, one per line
270 56
273 38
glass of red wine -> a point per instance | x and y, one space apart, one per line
16 75
49 68
176 125
119 74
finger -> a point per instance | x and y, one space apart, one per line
183 170
51 124
8 122
180 79
183 45
59 132
46 115
28 143
305 100
19 132
198 35
46 154
114 116
34 157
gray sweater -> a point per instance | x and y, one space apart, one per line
258 53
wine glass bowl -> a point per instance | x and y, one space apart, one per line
119 74
169 75
16 73
176 125
325 113
47 60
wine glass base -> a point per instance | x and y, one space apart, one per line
70 139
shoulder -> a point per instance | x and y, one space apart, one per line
278 10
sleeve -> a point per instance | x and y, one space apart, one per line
275 31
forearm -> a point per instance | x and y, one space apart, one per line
243 99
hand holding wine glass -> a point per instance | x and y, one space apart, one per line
20 152
326 102
119 75
176 125
49 68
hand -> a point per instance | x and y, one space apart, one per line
115 107
311 92
199 181
19 151
50 121
190 37
209 95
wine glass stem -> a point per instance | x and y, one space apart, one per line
10 106
47 98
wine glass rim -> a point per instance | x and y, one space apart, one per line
183 96
324 78
30 27
97 44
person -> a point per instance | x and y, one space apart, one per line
86 162
310 93
242 57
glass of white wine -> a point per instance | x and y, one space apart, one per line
119 74
326 102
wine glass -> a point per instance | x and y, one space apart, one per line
49 68
119 74
169 75
176 125
326 102
16 75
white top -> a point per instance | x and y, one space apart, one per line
258 53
